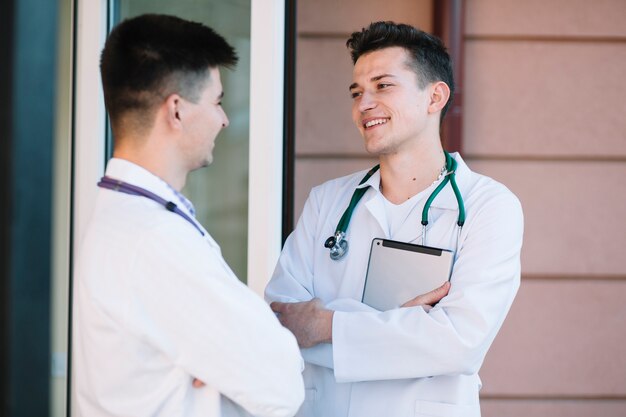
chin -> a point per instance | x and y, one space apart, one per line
202 164
375 149
374 145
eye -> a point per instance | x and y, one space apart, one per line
383 85
355 94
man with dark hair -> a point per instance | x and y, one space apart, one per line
421 356
156 305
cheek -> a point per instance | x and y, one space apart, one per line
410 110
356 114
213 121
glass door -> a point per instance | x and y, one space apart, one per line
219 192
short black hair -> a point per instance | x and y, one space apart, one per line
430 60
149 57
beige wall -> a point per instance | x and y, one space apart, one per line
544 114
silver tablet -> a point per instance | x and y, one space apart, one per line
398 272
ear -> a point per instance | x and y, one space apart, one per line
439 96
173 109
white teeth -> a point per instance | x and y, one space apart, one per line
375 122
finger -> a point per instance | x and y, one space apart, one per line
197 383
277 307
429 298
414 302
435 295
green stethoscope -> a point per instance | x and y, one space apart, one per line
338 244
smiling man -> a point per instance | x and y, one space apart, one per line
421 358
156 305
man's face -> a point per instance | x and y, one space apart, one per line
389 108
203 121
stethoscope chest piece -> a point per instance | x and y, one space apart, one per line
338 246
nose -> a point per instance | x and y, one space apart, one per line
225 121
366 102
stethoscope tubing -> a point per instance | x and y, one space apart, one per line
126 188
344 222
450 176
338 243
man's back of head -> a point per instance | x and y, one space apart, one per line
148 58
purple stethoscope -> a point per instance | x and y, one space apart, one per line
123 187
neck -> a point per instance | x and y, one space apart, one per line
159 162
405 174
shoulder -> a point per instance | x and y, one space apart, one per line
490 205
481 191
485 193
131 223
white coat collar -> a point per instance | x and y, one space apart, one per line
373 199
446 198
131 173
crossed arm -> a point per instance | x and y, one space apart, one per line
311 322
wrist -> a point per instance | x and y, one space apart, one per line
326 326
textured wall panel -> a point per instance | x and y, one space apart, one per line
545 98
346 16
561 338
323 111
541 17
574 214
312 172
550 408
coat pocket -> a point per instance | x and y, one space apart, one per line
435 409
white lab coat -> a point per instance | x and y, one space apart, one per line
406 361
156 305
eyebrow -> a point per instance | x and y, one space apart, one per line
376 78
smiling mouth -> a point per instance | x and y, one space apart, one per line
374 122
